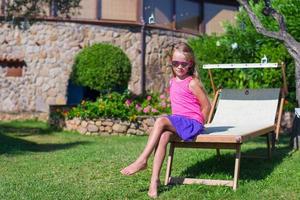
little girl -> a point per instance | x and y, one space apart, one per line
190 107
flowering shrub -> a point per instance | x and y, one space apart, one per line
123 106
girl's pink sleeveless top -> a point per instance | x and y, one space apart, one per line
183 101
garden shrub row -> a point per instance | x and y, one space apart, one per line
122 106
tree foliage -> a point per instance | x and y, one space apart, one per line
242 44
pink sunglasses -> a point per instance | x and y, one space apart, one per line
183 64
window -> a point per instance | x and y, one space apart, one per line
216 14
188 14
158 12
118 10
87 10
13 67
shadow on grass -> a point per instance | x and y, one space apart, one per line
223 167
23 129
250 168
12 142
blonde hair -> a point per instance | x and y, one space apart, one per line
187 51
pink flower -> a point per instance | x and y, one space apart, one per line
149 98
162 96
163 104
147 109
154 110
128 102
138 107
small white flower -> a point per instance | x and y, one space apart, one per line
234 45
218 43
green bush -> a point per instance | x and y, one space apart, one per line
102 67
242 44
121 106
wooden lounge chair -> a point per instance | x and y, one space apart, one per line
236 117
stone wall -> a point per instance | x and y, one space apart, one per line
48 50
41 116
142 126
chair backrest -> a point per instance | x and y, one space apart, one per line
242 107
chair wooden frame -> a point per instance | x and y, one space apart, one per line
226 141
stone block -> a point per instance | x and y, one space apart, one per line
131 131
77 121
149 121
140 132
82 130
92 128
108 129
102 128
98 123
126 123
107 123
91 122
84 124
134 125
120 128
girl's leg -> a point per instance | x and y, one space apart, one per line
157 162
161 124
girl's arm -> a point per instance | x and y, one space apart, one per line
202 97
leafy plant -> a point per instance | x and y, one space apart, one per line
121 106
102 67
242 44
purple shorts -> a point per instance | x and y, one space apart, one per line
186 128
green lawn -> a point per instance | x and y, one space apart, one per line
38 163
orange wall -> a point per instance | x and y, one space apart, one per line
119 9
88 10
215 15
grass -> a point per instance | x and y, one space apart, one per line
39 163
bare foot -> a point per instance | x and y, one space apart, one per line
134 168
152 192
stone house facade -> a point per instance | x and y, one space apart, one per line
35 63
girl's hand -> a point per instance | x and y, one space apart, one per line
202 97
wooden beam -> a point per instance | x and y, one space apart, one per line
256 133
179 180
169 163
212 81
279 116
212 110
237 167
240 65
205 145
